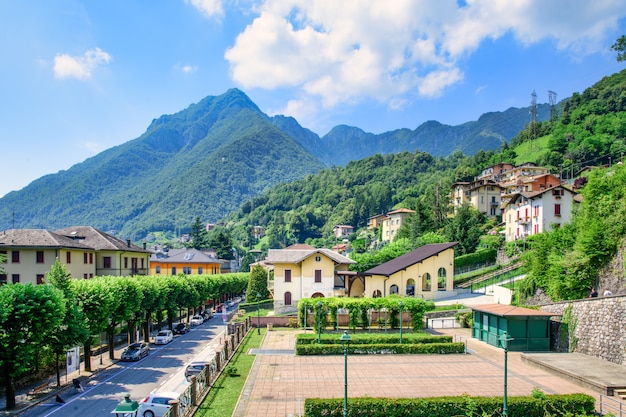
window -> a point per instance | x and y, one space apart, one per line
85 276
15 256
377 294
39 279
557 209
287 298
15 278
318 259
558 192
142 266
106 261
85 258
158 269
3 279
482 199
39 257
393 289
318 275
91 258
426 282
68 257
125 262
173 270
186 270
441 279
287 275
200 269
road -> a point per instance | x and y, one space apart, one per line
162 370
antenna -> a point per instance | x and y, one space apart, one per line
552 101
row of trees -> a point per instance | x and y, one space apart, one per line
47 320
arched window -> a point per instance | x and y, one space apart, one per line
426 282
410 287
393 289
287 298
317 295
377 294
441 279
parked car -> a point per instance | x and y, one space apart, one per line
197 320
163 337
206 314
135 352
194 368
156 404
181 328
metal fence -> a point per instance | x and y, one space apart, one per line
612 405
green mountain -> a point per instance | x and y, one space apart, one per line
208 159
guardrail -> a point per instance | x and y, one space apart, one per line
612 405
506 269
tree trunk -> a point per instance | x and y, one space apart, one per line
56 357
111 343
87 357
9 391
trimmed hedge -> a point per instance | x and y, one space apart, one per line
528 406
381 348
368 338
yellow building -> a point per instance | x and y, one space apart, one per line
170 262
392 223
426 272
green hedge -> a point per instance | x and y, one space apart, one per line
381 348
368 338
548 405
263 305
480 257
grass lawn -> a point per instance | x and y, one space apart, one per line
224 394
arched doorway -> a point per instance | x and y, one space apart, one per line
441 279
410 287
356 288
317 295
377 294
393 289
426 282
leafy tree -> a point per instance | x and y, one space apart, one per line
466 228
199 235
620 47
257 284
3 260
73 330
222 242
29 315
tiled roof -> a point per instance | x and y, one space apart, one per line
98 239
191 256
298 255
401 210
37 238
416 256
504 310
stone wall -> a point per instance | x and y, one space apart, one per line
597 327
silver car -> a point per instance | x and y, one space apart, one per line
135 352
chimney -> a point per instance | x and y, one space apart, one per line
144 245
128 242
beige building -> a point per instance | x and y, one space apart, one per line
484 195
426 272
392 223
30 254
342 231
303 271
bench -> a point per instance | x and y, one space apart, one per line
39 388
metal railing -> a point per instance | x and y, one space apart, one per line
612 405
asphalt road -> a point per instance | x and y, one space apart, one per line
162 370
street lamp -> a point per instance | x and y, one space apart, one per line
345 341
505 340
304 313
258 313
319 321
401 305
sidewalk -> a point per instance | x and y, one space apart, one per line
26 399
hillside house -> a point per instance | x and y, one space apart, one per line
171 262
302 271
530 213
343 231
375 221
485 195
426 272
392 223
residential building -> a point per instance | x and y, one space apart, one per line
392 223
302 271
530 213
30 254
484 195
342 231
426 272
171 262
375 221
114 256
257 232
496 172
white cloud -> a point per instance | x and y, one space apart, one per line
186 69
209 8
80 67
349 51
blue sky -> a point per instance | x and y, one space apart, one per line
78 77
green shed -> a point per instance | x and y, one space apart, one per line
530 329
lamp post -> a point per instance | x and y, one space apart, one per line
258 313
505 339
401 306
345 341
304 314
319 322
126 408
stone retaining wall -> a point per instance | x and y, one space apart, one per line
597 327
